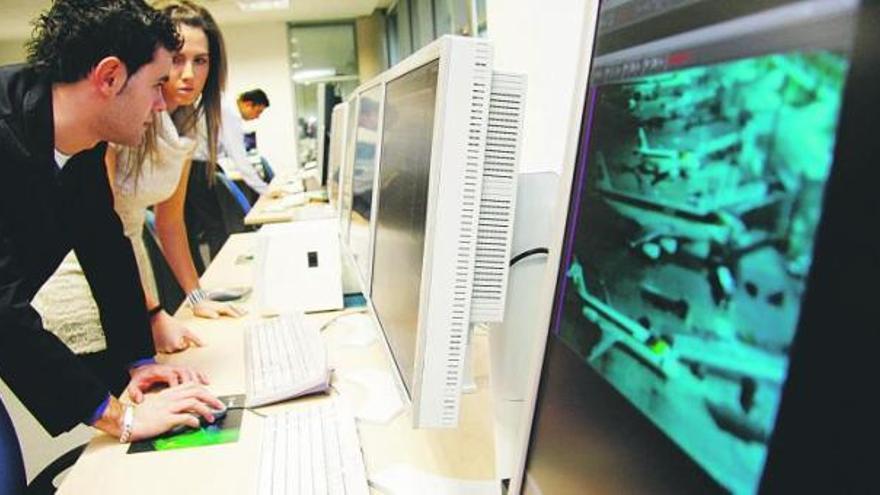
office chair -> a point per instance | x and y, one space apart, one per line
169 291
233 204
268 173
13 480
12 476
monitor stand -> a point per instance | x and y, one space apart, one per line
468 383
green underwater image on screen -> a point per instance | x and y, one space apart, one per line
693 239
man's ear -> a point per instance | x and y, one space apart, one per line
109 76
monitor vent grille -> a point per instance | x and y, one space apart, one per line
470 206
496 215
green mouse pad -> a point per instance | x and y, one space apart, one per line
224 430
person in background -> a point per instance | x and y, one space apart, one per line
152 175
248 106
94 74
204 217
251 104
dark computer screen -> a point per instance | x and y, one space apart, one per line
404 172
331 98
697 195
363 174
626 23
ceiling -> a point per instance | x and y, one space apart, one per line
15 15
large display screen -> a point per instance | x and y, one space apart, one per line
363 175
404 173
697 196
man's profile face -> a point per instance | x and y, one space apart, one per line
251 111
131 111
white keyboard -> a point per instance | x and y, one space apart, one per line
313 450
316 212
284 359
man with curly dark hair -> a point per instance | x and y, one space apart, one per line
94 74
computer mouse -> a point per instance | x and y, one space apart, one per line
218 415
228 294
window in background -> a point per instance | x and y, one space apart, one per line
453 17
392 37
412 24
482 29
422 17
399 32
320 55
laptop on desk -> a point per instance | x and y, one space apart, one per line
298 267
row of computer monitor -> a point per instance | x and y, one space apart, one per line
685 326
423 179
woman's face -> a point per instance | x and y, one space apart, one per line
189 71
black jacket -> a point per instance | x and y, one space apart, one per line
44 213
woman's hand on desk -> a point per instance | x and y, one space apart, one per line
179 405
170 336
207 308
145 377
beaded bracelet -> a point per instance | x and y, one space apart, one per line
127 424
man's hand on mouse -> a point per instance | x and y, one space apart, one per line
145 377
174 406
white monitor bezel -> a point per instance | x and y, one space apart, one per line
337 141
548 286
366 277
436 382
345 171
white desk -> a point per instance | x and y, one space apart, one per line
464 453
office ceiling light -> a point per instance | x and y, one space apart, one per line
261 5
307 75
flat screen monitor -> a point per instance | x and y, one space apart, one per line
435 122
403 203
337 145
363 176
704 154
345 175
329 98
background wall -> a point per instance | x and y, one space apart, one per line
542 39
258 58
11 51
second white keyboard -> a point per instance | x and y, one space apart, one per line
284 359
312 450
